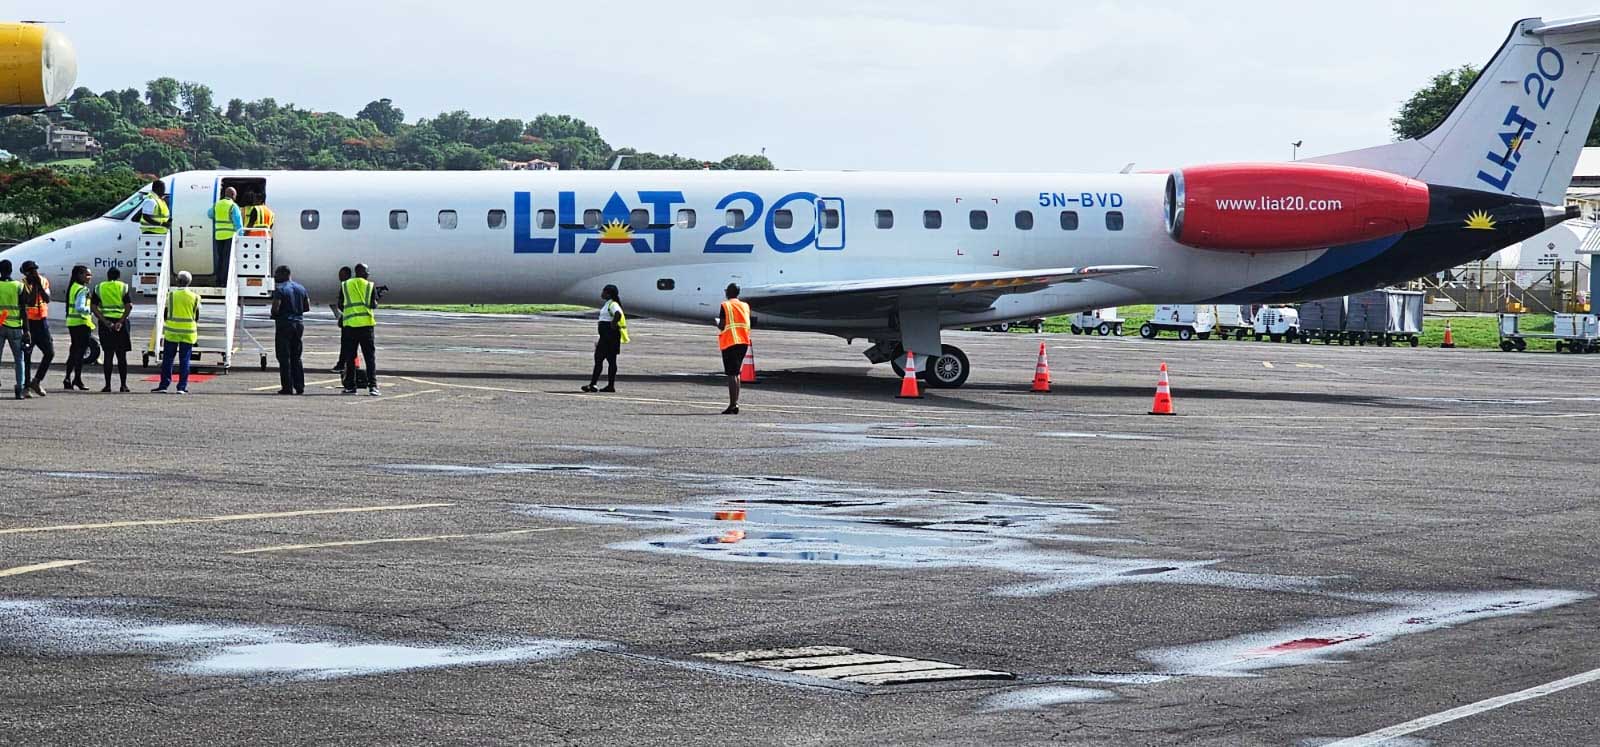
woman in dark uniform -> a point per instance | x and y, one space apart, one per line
612 327
112 302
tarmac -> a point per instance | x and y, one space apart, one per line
1323 543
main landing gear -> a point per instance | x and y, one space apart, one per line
947 371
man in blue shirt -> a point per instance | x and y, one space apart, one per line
290 302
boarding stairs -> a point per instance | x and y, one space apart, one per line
248 279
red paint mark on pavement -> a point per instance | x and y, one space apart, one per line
194 378
1307 644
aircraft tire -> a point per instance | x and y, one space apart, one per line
950 370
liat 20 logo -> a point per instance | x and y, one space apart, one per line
1503 162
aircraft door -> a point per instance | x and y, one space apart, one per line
191 200
830 223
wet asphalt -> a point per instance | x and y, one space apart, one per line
1323 542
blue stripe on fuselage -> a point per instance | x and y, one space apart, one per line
1332 262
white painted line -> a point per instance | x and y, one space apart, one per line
1266 364
1371 739
270 387
40 567
217 519
775 653
403 396
391 540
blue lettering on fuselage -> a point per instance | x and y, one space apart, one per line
1080 199
646 226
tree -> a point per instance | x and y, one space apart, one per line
96 113
235 113
746 163
384 114
1432 103
20 134
162 95
198 101
563 127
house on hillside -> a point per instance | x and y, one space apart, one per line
65 143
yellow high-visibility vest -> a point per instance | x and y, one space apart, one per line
222 219
76 318
156 224
113 298
10 302
183 317
355 298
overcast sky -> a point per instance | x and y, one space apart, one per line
999 85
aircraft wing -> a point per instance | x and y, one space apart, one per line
867 298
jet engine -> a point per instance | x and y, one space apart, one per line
38 67
1257 207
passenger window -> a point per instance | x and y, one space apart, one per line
591 219
1069 220
1025 220
830 218
884 218
547 219
351 219
686 218
1114 220
932 219
735 218
639 219
448 220
497 219
978 219
310 219
399 219
782 219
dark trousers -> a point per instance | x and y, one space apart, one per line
40 330
182 351
351 341
605 352
83 349
114 347
288 343
220 251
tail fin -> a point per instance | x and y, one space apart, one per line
1520 128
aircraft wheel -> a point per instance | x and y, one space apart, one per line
950 370
1147 332
1104 329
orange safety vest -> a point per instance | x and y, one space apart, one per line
735 324
40 311
258 220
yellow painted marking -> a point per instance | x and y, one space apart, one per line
218 519
1267 364
309 383
391 540
40 567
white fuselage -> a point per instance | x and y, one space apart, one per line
524 237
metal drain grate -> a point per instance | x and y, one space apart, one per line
843 664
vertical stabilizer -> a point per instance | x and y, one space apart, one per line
1520 128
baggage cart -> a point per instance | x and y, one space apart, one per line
1384 317
1573 333
1237 320
1323 319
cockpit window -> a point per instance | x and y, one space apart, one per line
128 206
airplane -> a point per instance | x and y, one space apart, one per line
895 258
37 68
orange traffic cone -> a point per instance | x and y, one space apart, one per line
908 382
1041 373
1449 337
747 372
1163 403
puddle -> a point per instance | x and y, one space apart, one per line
1325 640
763 519
232 649
1038 698
583 470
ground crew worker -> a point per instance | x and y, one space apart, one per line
113 304
338 318
155 217
258 220
613 332
226 221
734 321
179 332
80 324
14 327
290 302
357 301
36 298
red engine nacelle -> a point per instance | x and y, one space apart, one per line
1251 207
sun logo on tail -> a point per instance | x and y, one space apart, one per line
1480 220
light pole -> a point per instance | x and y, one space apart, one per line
1295 154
